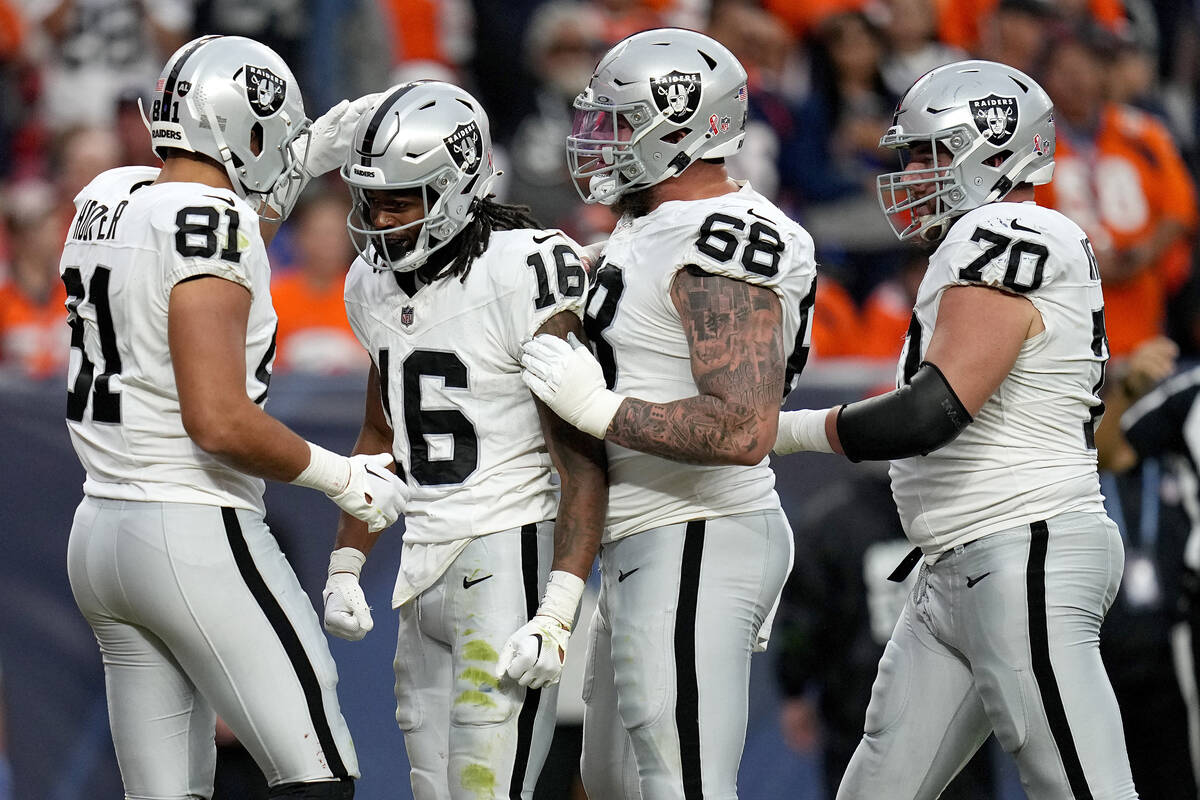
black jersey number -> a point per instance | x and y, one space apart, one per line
106 404
421 423
763 245
1016 257
569 269
599 313
196 233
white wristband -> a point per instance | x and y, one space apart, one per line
327 472
802 430
347 559
601 408
561 600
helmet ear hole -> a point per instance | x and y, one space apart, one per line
999 159
256 138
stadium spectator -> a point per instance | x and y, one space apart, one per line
1014 33
836 330
313 335
832 157
79 155
913 47
888 309
34 336
92 50
1119 176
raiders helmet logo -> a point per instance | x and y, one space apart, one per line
264 89
466 146
677 94
995 117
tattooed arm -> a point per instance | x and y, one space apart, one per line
735 335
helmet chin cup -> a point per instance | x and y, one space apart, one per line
604 189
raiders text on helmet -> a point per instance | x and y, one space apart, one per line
993 123
658 101
429 137
235 100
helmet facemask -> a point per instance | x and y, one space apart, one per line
387 248
601 147
920 202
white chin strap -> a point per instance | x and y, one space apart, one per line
603 189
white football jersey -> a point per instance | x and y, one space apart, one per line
130 242
1030 453
466 430
638 337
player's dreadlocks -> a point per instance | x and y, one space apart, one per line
486 216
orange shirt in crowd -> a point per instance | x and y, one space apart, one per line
34 337
1119 191
885 319
835 330
804 17
959 20
313 334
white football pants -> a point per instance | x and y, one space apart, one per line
198 613
666 688
1002 634
468 736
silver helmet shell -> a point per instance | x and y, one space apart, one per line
235 100
988 128
430 137
658 101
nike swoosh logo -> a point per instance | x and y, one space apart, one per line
468 584
623 575
750 211
1016 226
972 581
546 238
222 199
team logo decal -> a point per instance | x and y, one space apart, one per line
406 315
677 94
466 146
182 88
995 117
265 90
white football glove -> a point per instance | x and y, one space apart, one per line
361 485
332 133
347 615
567 377
534 655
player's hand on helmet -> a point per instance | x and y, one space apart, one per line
567 377
332 133
534 655
347 615
373 494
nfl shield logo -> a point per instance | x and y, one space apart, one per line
677 94
995 117
265 90
406 316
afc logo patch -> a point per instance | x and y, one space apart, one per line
406 315
466 146
677 94
265 90
995 117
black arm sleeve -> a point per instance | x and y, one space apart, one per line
913 420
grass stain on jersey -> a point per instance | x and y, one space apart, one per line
481 678
479 650
474 697
479 779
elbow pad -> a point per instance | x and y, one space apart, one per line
913 420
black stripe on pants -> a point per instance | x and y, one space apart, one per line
687 692
529 573
288 638
1043 670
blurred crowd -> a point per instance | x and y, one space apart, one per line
824 79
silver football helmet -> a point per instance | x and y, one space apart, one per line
429 137
658 101
235 101
991 126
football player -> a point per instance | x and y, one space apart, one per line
993 460
700 320
447 286
196 610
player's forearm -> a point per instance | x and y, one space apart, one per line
581 510
696 430
249 440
